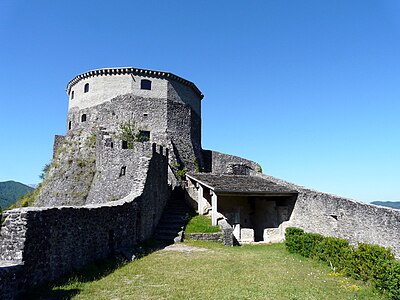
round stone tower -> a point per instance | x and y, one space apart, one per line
165 107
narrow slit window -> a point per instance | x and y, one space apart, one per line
69 125
72 95
83 118
145 84
124 144
123 171
86 88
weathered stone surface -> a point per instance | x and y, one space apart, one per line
53 241
345 218
215 237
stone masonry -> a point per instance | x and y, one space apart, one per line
100 197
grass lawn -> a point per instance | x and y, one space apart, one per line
207 270
201 224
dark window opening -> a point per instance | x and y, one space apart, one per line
72 95
144 136
83 118
145 84
69 125
124 144
86 88
122 172
112 145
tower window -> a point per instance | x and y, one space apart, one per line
83 118
145 84
122 172
72 95
86 88
69 125
144 135
124 144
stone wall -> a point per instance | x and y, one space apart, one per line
340 217
53 241
216 162
214 237
58 141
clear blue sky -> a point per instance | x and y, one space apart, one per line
309 89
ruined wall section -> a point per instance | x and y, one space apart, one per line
184 144
184 126
119 172
216 162
72 170
58 240
58 142
345 218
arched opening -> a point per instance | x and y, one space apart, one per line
83 118
145 84
86 88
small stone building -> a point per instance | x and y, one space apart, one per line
255 207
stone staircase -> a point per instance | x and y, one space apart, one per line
173 221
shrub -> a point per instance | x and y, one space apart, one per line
365 262
294 239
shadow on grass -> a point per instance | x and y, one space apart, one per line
67 286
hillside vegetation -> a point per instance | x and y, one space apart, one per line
207 270
11 191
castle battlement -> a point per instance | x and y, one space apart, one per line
98 86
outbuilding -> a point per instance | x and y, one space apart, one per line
255 207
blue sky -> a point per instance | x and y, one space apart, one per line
309 89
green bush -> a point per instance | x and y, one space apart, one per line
369 261
366 262
294 239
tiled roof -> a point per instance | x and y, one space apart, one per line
223 183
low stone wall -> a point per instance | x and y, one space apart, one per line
340 217
221 163
50 242
214 237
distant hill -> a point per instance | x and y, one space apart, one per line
10 191
391 204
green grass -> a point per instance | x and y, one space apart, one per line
201 224
219 272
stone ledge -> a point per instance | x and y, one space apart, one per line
215 237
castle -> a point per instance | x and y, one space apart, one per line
104 193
